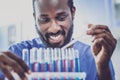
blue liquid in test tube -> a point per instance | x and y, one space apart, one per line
31 60
77 61
54 60
46 54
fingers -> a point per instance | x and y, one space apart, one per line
101 37
97 29
7 61
107 37
6 71
96 47
19 60
101 31
18 69
102 44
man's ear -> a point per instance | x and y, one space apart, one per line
34 16
73 12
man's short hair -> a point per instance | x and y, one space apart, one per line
70 4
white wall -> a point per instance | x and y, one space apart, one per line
95 12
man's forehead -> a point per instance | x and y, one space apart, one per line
51 5
52 2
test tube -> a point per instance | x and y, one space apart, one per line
72 59
69 59
40 60
66 60
59 60
43 65
46 54
54 59
56 56
25 56
77 61
31 60
34 64
50 62
63 60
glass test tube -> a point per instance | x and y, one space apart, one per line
59 60
72 60
66 60
63 60
77 61
25 56
43 65
34 64
50 59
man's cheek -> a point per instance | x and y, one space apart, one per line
66 31
43 34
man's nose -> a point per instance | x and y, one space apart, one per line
54 27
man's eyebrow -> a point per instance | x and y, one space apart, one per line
61 13
43 15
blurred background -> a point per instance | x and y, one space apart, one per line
17 23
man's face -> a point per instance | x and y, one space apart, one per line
54 22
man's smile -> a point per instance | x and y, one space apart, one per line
55 38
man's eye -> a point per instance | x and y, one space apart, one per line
61 18
43 21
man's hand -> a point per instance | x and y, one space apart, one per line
103 46
9 62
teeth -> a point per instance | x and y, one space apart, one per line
55 37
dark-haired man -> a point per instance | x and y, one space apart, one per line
54 24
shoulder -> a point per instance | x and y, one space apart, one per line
80 44
85 52
36 42
82 48
28 44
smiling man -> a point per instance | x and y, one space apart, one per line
54 24
54 21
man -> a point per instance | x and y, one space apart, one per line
54 24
